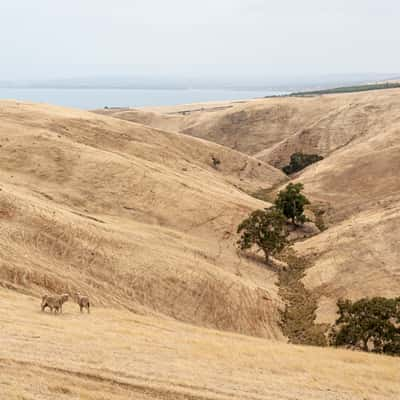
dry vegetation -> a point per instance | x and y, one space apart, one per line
132 216
357 184
142 221
272 129
114 354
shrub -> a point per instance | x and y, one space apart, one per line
266 229
369 324
299 161
216 161
291 202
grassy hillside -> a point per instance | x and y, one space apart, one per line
273 129
357 183
136 217
114 355
144 222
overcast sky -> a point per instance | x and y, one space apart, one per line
197 38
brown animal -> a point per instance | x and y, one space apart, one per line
83 302
54 302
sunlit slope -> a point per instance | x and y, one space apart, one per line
114 355
359 257
136 217
274 128
359 185
345 120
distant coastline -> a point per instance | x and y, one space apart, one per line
120 93
90 99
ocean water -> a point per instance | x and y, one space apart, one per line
99 98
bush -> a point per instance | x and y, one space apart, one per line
369 324
291 202
266 229
299 161
216 161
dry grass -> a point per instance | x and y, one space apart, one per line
274 128
113 354
135 217
357 183
141 221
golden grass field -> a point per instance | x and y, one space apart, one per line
133 216
127 207
115 354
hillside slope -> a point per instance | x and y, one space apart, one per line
359 255
357 184
136 217
142 221
115 355
274 128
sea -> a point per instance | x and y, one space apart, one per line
90 99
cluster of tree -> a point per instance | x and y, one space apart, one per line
291 203
369 324
267 229
299 161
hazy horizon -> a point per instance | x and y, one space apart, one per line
284 84
227 42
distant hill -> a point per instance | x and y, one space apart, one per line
143 221
357 183
350 89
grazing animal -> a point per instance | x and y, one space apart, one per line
83 302
54 302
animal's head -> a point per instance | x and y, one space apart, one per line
65 297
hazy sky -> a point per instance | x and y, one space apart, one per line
55 38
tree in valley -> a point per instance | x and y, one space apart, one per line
265 229
369 324
291 202
299 161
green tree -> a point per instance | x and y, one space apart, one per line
369 323
266 229
291 202
299 161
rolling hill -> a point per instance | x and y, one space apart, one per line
357 184
116 355
128 207
272 129
135 217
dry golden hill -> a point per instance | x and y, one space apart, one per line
142 221
358 183
116 355
274 128
135 217
347 119
359 255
